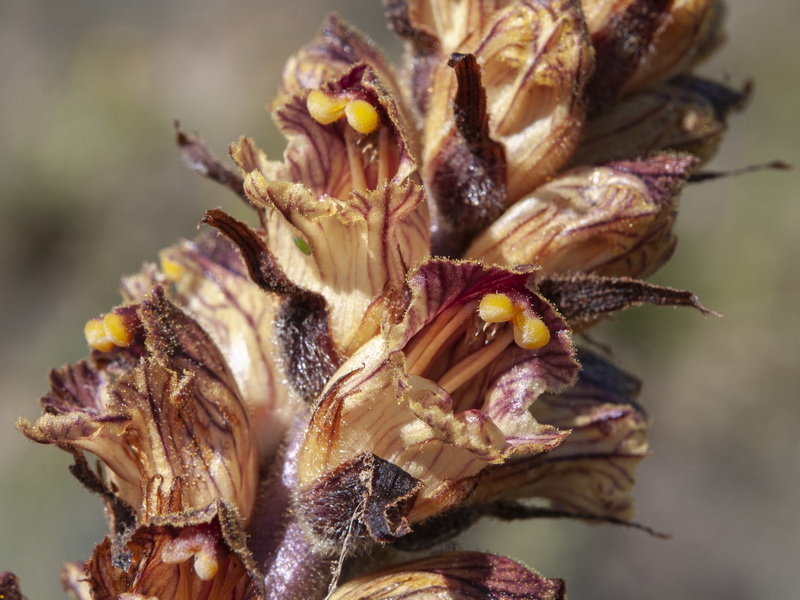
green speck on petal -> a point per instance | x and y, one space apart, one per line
302 245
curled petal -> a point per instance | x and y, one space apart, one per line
535 59
332 157
454 576
384 231
591 473
337 48
172 431
614 220
199 555
437 398
212 285
686 114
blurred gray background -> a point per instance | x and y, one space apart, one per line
91 186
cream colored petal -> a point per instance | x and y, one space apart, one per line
454 576
354 253
212 285
535 59
613 220
382 402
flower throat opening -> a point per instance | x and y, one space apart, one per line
435 352
363 120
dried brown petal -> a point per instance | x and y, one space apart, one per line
213 286
456 576
172 432
614 220
584 299
199 555
642 42
686 114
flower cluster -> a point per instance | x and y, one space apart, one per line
393 351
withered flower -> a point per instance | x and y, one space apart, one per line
393 350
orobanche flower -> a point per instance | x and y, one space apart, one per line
393 349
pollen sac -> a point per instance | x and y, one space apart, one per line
325 109
496 308
361 116
530 332
114 329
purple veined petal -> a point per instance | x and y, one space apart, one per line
591 474
456 576
423 398
614 220
212 285
685 114
333 158
172 431
384 231
337 47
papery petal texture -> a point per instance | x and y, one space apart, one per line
535 58
383 230
212 285
415 397
685 114
591 474
456 576
613 220
172 431
198 556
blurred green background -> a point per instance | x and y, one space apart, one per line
91 185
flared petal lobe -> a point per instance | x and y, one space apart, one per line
171 430
591 474
340 189
444 393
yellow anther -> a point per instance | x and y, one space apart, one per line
362 116
530 332
171 269
324 108
496 308
116 331
95 333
